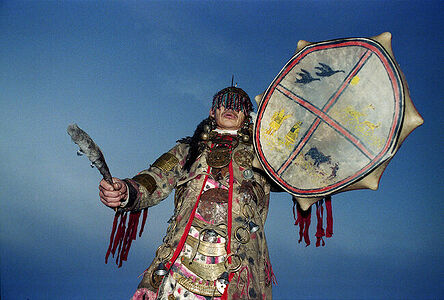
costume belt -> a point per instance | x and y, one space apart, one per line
203 270
207 248
196 287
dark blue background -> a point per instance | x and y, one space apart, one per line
137 76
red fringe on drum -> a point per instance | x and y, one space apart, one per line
303 219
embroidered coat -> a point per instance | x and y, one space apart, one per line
254 277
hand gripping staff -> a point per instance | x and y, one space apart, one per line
125 232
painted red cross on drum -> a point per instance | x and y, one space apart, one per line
332 115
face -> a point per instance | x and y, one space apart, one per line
228 118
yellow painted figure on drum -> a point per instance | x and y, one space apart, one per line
292 135
276 121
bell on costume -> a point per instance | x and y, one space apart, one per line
253 227
223 278
222 282
161 270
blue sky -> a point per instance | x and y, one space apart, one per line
137 76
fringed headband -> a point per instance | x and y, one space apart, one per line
233 98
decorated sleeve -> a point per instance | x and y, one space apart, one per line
154 184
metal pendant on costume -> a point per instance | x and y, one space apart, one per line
219 158
213 205
217 195
243 158
220 173
155 280
222 282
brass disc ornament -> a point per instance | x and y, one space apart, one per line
243 158
219 157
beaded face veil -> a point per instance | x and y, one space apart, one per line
232 98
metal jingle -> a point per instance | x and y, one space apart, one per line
205 136
248 174
253 227
242 238
232 269
161 270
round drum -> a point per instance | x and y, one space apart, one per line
331 116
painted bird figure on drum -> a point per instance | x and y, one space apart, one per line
326 71
305 77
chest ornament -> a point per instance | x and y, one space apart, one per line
220 154
244 158
219 158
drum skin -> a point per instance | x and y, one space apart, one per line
333 116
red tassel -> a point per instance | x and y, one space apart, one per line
303 220
145 214
269 274
111 238
121 237
328 208
320 227
118 239
130 235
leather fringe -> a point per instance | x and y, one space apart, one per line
124 234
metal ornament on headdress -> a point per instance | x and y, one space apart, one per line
232 98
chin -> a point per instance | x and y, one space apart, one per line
230 125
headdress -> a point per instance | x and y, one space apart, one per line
233 98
